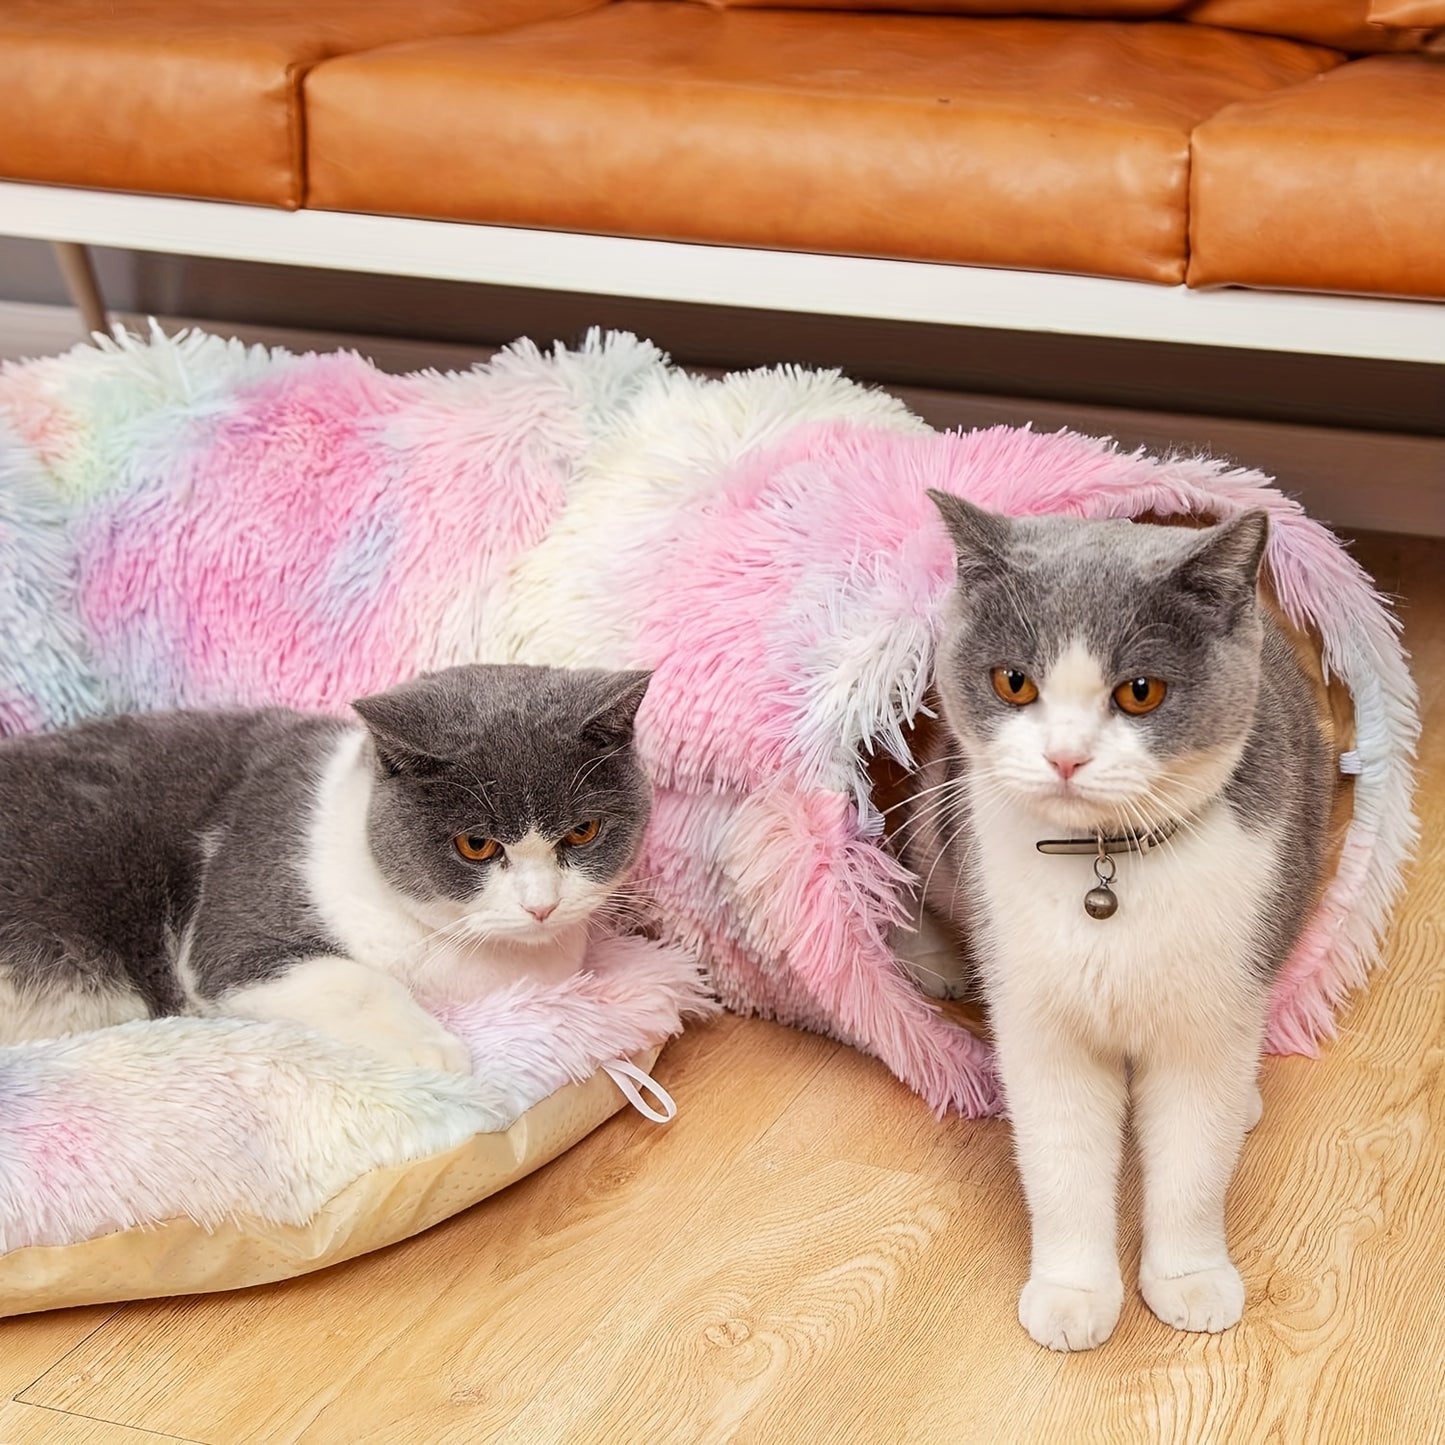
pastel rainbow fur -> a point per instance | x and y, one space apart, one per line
188 521
226 1118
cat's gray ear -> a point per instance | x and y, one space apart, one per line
612 720
1223 568
395 723
980 538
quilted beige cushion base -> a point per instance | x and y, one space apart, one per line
380 1208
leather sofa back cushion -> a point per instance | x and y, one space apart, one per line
1407 12
1359 26
194 97
1054 145
1335 185
1344 24
1096 9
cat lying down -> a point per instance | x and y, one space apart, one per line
1125 812
468 830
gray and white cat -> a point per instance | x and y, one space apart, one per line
1119 679
281 865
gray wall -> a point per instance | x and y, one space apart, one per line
27 273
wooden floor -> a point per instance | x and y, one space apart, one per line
805 1255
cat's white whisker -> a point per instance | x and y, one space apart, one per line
478 789
586 769
939 808
916 797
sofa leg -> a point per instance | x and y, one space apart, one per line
79 273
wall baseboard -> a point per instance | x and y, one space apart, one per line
28 329
1355 480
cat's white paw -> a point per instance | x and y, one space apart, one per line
1062 1317
1208 1300
434 1049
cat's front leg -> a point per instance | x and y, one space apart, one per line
1067 1104
1193 1105
358 1005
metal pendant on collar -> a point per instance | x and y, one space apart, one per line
1101 901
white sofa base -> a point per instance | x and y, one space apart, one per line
853 286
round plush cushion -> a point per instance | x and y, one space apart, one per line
180 1155
382 1206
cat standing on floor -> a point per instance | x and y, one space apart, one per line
282 865
1126 817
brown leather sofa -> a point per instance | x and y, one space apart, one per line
1286 144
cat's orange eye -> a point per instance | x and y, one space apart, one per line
1014 686
583 833
475 848
1139 695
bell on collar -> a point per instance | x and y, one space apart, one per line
1099 901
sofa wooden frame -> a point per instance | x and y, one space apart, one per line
788 281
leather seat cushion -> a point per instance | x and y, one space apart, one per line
192 97
1334 185
1346 24
1047 144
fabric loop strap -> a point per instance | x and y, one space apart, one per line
632 1081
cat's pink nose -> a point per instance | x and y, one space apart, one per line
1066 764
541 911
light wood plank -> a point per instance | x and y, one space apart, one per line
733 1323
33 1425
816 1298
31 1344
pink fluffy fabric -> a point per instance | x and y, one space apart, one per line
840 542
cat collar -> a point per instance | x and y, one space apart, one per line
1100 901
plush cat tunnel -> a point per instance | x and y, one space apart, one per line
190 522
